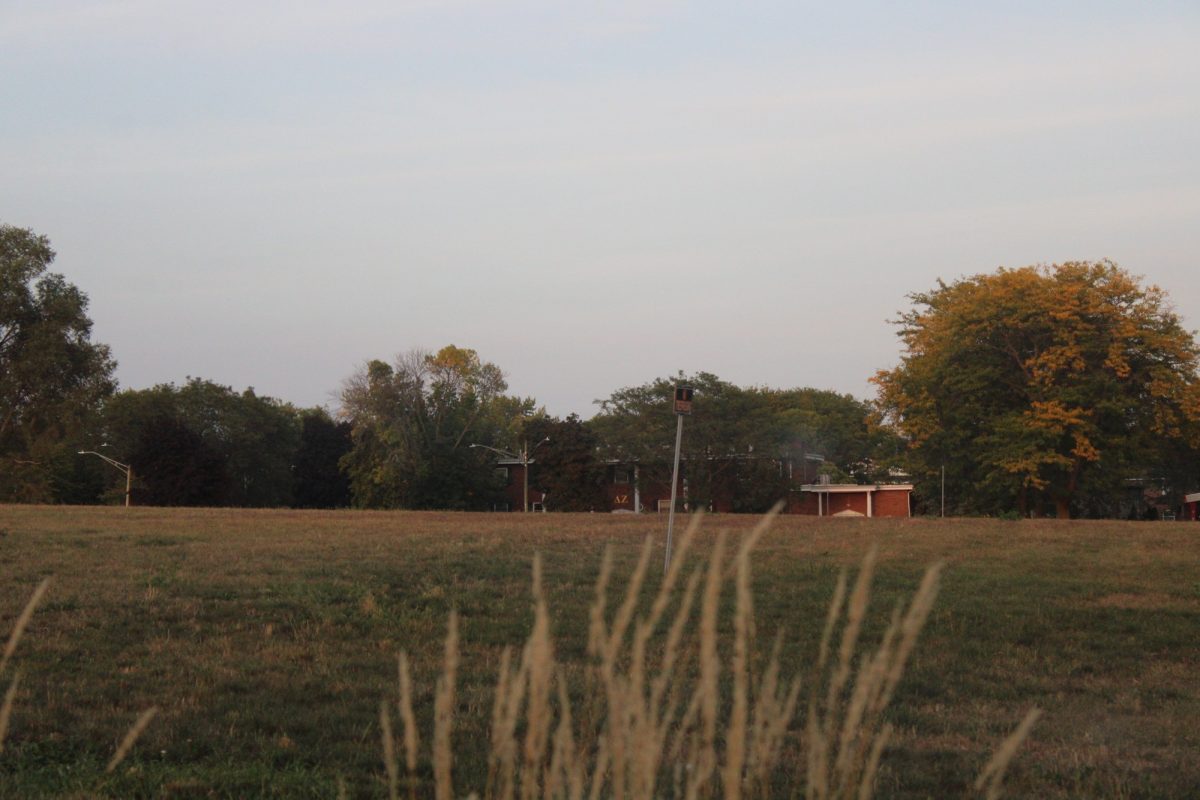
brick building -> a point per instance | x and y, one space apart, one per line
512 472
852 500
1191 507
629 490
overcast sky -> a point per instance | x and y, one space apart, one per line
590 194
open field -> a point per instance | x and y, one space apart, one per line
268 638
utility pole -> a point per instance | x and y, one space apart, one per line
943 491
682 408
523 459
525 476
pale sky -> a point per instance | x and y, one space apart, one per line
590 194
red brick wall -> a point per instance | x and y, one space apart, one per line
513 492
888 503
891 503
620 496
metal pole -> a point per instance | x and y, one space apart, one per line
128 470
637 493
674 486
525 463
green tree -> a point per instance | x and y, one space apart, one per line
736 437
53 377
255 439
1041 386
319 480
413 422
258 437
175 466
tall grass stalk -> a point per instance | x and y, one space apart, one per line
991 777
10 698
412 741
653 716
443 719
10 647
131 737
14 638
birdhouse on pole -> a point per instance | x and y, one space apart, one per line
683 399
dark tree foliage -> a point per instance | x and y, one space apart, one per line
736 437
174 466
319 481
258 437
757 485
53 378
255 437
568 467
457 479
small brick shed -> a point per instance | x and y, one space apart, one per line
1191 506
853 500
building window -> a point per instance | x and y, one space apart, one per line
621 475
502 474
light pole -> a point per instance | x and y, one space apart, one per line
682 407
523 457
128 470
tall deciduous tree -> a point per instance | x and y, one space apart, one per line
52 375
1041 385
413 424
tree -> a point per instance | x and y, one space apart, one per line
258 437
53 378
319 480
568 467
255 439
175 466
1041 385
413 422
736 438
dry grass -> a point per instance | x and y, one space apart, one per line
268 638
659 732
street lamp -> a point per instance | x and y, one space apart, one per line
128 470
523 457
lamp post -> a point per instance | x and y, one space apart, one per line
682 407
523 457
128 470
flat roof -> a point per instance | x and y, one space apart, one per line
1192 498
838 488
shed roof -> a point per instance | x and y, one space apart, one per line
843 488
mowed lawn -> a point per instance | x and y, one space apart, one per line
269 638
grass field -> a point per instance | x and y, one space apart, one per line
268 638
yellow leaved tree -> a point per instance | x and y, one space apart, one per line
1045 386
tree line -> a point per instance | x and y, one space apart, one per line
1033 391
